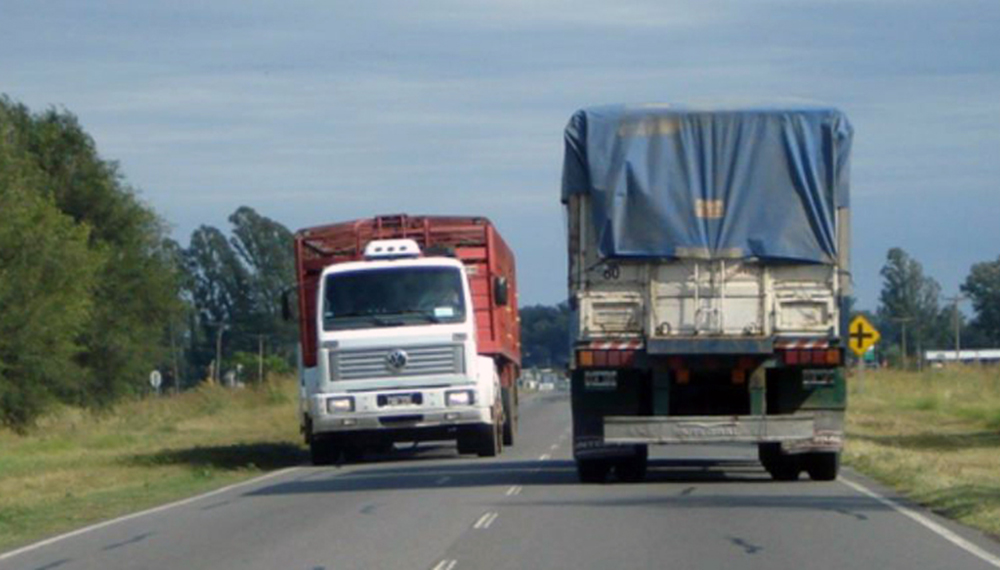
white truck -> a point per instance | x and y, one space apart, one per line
408 333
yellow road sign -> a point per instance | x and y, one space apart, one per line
861 335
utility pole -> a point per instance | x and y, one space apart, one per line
260 358
173 354
902 321
217 369
958 332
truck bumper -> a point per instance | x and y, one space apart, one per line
820 430
399 420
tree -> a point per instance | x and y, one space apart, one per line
545 336
136 288
983 287
47 276
238 282
909 301
137 291
265 246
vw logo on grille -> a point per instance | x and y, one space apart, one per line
396 359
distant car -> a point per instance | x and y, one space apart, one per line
546 387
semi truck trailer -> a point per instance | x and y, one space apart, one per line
408 332
708 272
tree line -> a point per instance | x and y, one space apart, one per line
94 295
913 313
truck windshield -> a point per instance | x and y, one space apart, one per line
393 297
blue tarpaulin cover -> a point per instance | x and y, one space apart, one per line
687 182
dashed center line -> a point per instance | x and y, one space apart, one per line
442 480
545 457
515 490
486 520
554 446
445 565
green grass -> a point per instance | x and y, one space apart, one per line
77 468
934 436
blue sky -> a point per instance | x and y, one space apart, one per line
312 112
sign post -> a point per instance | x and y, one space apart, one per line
155 380
861 336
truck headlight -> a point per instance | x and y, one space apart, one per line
460 398
339 404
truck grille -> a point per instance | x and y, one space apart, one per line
373 363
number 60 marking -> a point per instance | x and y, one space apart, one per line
612 272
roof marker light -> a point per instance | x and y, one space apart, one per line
392 249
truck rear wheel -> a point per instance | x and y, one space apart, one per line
510 415
592 470
823 466
323 452
633 469
785 468
781 466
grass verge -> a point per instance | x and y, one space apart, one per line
934 436
77 468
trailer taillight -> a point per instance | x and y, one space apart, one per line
833 356
605 358
824 356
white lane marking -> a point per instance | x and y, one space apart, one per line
926 522
545 457
442 480
445 565
515 490
554 446
486 520
158 509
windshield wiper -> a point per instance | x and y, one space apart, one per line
374 319
429 316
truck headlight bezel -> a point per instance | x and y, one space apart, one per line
460 398
339 404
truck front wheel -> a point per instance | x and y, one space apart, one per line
490 440
323 452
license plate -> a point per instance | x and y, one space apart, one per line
600 380
396 400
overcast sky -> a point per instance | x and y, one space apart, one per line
312 112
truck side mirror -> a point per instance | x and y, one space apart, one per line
500 291
286 305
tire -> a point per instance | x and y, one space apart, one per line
633 469
323 452
823 466
509 396
467 442
490 441
354 453
592 470
785 468
768 454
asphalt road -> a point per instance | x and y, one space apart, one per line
429 509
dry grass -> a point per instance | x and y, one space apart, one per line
934 436
76 468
